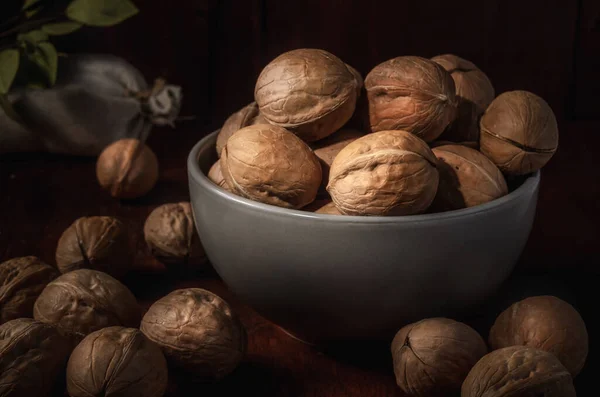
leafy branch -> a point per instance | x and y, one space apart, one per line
26 52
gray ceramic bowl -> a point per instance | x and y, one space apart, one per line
328 277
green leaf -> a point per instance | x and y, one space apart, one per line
29 8
9 109
46 58
61 28
29 3
33 37
9 65
101 12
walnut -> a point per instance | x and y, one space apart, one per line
117 361
95 242
518 371
519 132
384 173
127 168
432 357
32 357
216 176
310 92
413 94
329 209
269 164
547 323
84 301
467 178
21 282
197 331
248 115
474 93
170 233
326 150
360 83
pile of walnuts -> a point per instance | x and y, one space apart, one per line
417 135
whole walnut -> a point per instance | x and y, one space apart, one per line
269 164
117 362
170 233
518 371
329 209
127 168
197 331
216 176
310 92
326 150
32 357
467 178
384 173
432 357
84 301
248 115
21 282
413 94
94 242
519 132
474 93
547 323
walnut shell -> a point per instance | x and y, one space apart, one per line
84 301
413 94
117 362
96 242
329 209
547 323
197 331
269 164
310 92
519 132
326 150
170 233
127 168
248 115
21 282
32 357
384 173
432 357
467 178
518 371
216 176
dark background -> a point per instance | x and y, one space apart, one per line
215 50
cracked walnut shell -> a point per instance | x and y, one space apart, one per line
197 331
22 280
432 357
269 164
413 94
384 173
248 115
518 371
117 362
310 92
519 132
547 323
95 242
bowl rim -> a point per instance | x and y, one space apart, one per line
195 174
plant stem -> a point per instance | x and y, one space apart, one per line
26 25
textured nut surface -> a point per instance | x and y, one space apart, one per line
117 362
32 356
21 282
519 132
170 234
127 168
269 164
518 371
413 94
216 176
84 301
310 92
197 331
329 209
384 173
432 357
95 242
547 323
467 178
248 115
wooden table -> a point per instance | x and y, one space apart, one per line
41 195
